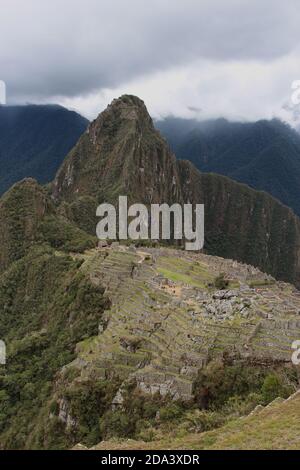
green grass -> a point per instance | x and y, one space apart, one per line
184 271
178 277
261 283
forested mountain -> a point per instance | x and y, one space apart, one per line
34 139
263 154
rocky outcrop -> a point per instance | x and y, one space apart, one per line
225 304
64 414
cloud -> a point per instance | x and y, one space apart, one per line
205 89
207 54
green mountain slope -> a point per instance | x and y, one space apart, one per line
28 216
34 140
265 154
46 307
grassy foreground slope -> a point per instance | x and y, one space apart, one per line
276 426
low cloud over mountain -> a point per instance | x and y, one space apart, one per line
168 53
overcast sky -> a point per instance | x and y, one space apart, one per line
190 58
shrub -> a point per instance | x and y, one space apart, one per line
200 420
273 387
170 412
218 382
220 282
54 408
116 424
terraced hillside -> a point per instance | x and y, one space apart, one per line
122 341
168 321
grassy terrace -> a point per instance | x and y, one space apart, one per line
181 270
144 313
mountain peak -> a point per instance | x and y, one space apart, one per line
126 106
116 153
127 109
128 100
